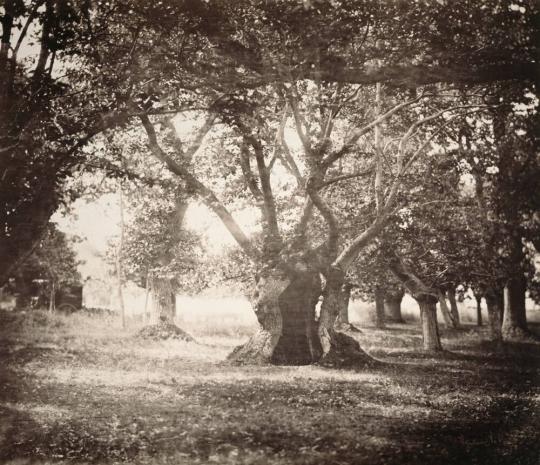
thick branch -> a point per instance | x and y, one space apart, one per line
344 177
408 278
266 188
207 196
312 188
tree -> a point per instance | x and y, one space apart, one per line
248 61
52 262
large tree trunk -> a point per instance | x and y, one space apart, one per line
495 304
454 312
289 333
514 324
430 328
379 308
285 307
392 305
163 300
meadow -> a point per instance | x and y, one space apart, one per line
79 389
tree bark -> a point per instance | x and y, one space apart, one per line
379 308
454 312
392 305
514 324
163 300
430 328
495 304
163 311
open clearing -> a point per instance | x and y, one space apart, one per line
78 390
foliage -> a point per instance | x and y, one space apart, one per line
53 262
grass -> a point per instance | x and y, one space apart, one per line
79 389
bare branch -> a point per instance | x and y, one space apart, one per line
353 138
344 177
299 121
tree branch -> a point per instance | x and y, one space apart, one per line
206 195
353 138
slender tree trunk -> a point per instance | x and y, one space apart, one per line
478 298
379 308
495 304
343 313
514 324
430 328
146 314
454 312
52 292
445 311
392 305
119 261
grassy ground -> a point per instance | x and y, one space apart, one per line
77 389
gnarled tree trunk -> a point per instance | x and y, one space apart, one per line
289 333
514 324
392 305
430 328
495 304
284 304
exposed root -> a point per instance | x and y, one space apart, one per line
256 351
163 331
345 352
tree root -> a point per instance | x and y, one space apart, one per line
162 331
345 352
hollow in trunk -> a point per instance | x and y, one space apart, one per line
289 334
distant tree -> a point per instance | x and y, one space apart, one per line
52 264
